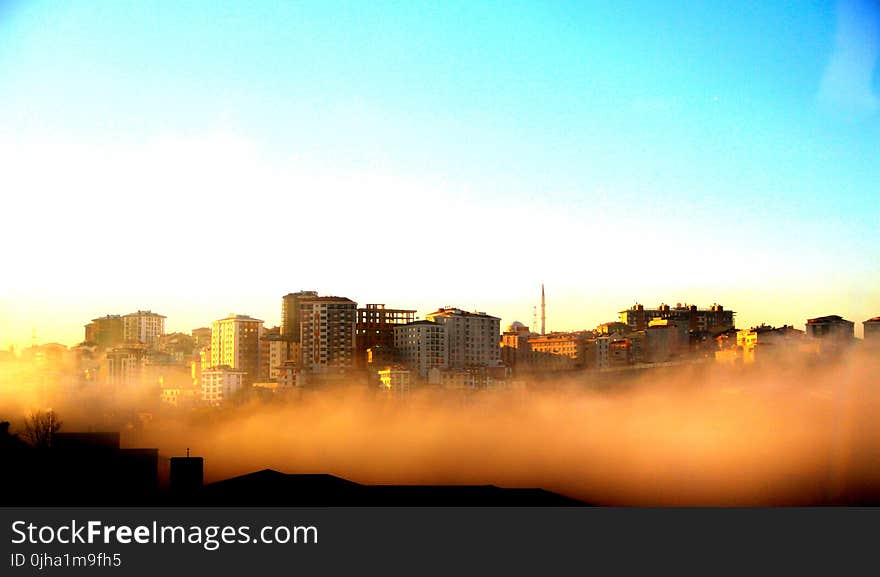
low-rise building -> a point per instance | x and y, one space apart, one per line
515 351
290 375
763 340
559 351
222 383
395 380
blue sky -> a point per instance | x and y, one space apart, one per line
617 151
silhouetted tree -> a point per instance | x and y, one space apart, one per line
39 428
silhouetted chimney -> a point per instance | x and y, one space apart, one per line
187 475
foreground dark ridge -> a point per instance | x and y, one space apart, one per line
272 488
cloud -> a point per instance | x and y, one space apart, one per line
846 82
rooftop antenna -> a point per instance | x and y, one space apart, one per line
543 311
187 452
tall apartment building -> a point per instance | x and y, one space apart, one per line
472 338
872 330
290 314
235 343
712 319
831 328
143 327
421 346
327 328
106 332
375 328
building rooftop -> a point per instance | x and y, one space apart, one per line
678 307
449 311
420 322
233 316
328 299
145 314
873 320
827 319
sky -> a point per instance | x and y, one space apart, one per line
203 158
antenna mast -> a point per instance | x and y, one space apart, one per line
543 311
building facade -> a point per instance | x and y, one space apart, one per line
831 328
235 343
421 346
872 331
713 319
106 332
472 338
274 350
515 345
375 328
290 314
395 380
221 384
143 327
327 334
559 351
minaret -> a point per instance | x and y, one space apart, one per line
543 311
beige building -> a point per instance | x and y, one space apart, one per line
235 343
221 384
560 351
143 327
515 349
421 346
472 338
275 350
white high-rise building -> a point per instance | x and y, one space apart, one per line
221 383
421 346
142 327
472 338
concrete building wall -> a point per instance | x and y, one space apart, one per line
421 346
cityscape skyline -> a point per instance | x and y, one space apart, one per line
35 335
